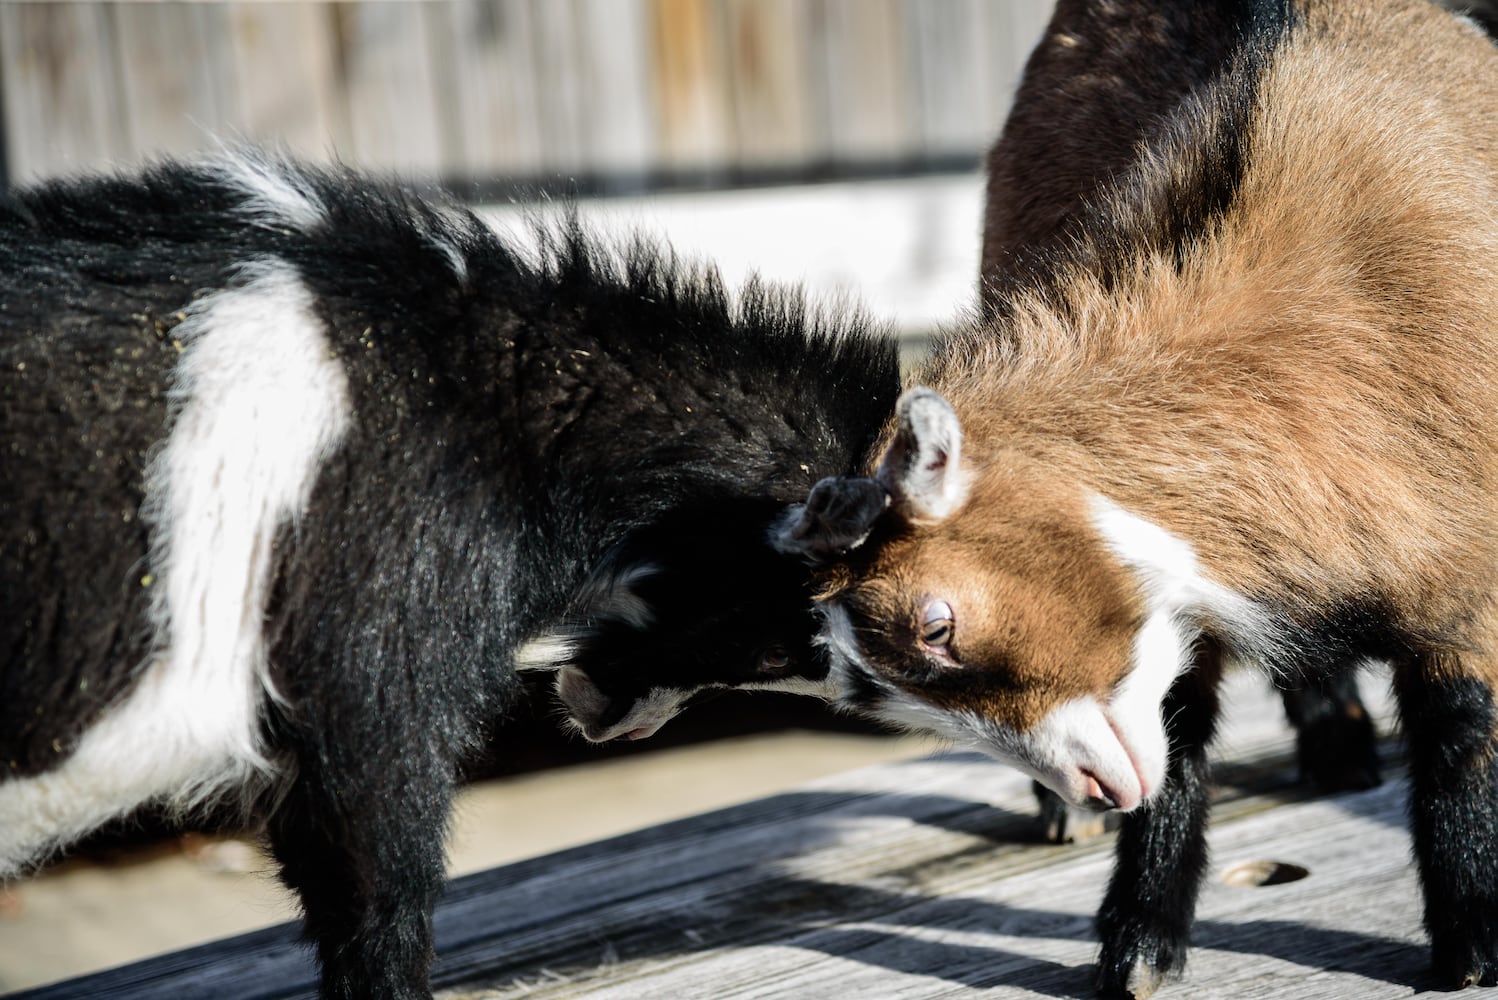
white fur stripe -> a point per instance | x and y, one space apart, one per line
550 651
270 185
1174 584
258 404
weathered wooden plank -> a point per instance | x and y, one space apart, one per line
535 87
693 112
61 104
770 82
617 107
386 71
514 87
938 893
1025 22
176 77
938 923
488 104
1008 31
285 77
864 81
559 85
946 53
919 879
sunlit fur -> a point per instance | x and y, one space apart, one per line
1305 397
258 402
1241 404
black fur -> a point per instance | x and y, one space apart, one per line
1336 744
706 629
1107 80
516 423
1454 814
86 347
1145 919
838 515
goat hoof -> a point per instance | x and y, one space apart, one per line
1461 964
1138 982
1481 976
1143 981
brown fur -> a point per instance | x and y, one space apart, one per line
1247 295
1310 400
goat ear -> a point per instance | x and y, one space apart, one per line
837 516
922 467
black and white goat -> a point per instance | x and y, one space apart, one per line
297 463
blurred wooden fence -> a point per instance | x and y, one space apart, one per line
605 94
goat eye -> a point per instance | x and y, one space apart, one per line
938 624
774 658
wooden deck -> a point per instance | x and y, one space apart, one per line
911 880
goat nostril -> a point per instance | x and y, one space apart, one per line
1251 874
1099 798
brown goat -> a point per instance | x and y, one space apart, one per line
1078 119
1235 402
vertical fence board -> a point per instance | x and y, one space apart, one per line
1026 23
865 73
618 100
61 100
1001 67
1009 32
944 53
613 89
487 87
177 95
691 73
769 53
559 84
283 63
388 87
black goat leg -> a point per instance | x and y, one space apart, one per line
1450 722
368 863
1145 920
1335 739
